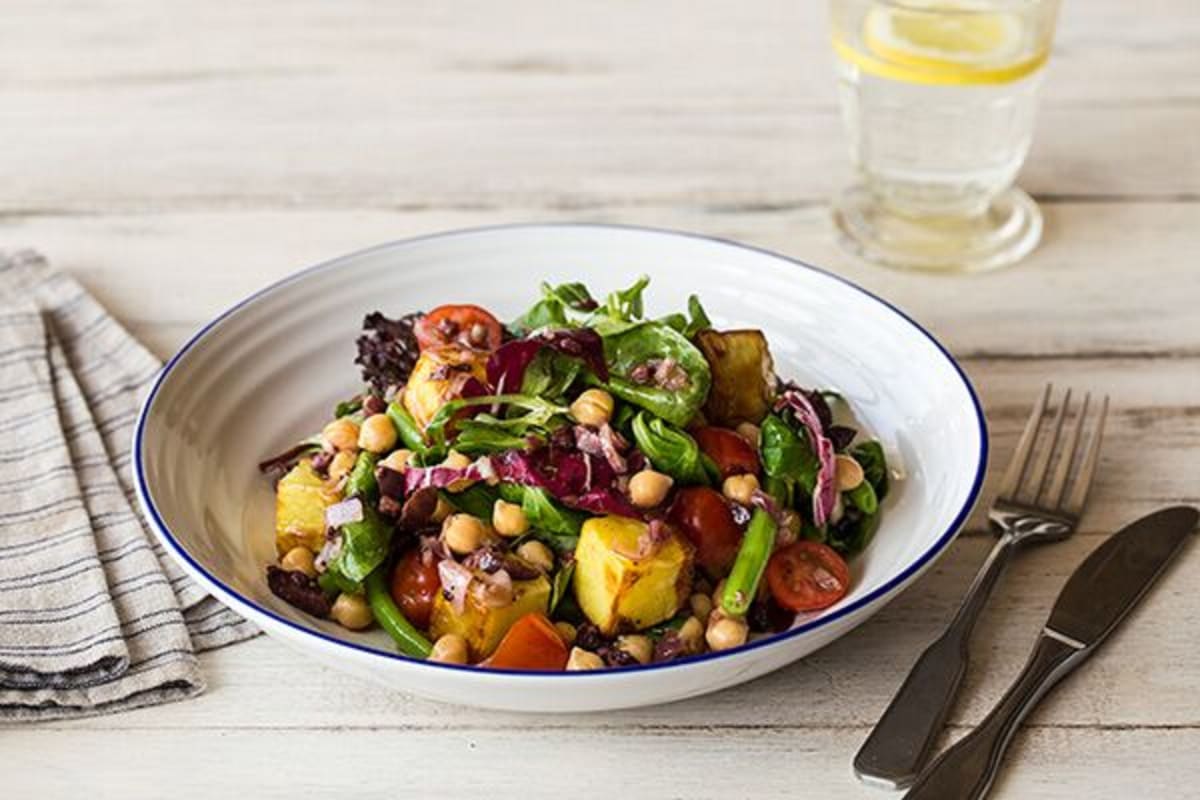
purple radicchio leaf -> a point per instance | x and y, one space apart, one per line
506 366
439 477
606 501
825 491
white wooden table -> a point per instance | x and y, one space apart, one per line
177 155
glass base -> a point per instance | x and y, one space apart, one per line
1001 236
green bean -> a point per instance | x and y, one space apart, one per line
408 639
361 480
410 433
741 586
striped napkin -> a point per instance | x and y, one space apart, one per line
94 616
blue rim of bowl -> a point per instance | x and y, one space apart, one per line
165 535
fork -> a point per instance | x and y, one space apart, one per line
901 742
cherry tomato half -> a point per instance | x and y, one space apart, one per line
415 584
706 519
807 576
531 643
732 454
464 325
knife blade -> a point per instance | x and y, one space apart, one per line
1098 595
1110 581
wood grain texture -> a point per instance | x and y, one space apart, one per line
178 156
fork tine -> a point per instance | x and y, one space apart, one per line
1087 468
1054 492
1016 466
1041 461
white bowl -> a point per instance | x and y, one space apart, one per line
269 370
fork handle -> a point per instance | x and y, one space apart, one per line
966 770
901 742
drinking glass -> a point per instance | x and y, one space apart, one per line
938 100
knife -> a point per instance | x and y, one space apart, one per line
1098 595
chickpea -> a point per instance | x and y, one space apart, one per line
441 510
341 434
648 488
351 611
397 460
702 605
456 460
638 646
581 659
509 519
593 407
538 555
463 533
341 465
726 632
567 631
377 434
299 559
849 472
691 633
740 488
449 649
748 431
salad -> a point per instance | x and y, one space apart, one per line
578 488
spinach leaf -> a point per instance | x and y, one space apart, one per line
476 500
561 586
649 343
669 449
550 374
552 524
852 532
364 546
787 455
870 457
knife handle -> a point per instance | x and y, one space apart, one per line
900 744
966 770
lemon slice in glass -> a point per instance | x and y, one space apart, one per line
943 44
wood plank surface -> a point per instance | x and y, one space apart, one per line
176 157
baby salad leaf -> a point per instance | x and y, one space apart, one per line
361 480
852 532
364 546
550 374
691 323
653 343
480 436
626 304
552 310
556 526
669 449
476 500
870 457
787 455
538 414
